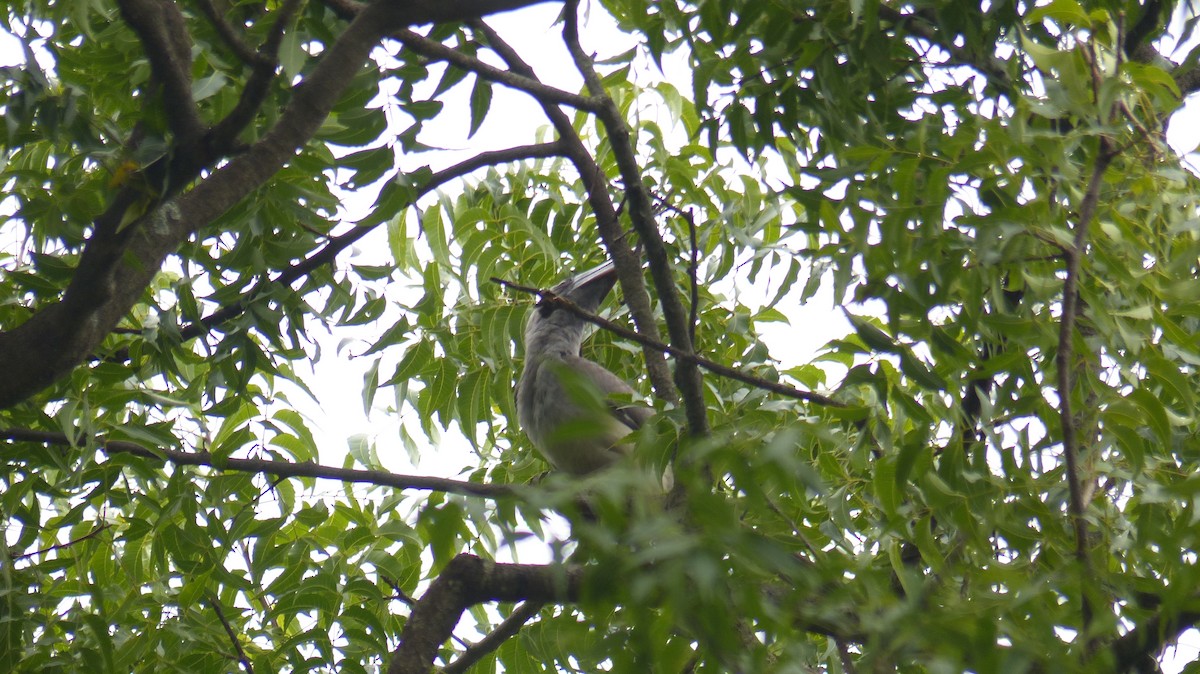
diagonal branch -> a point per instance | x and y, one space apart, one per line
268 467
160 26
233 637
595 184
243 51
687 375
683 356
466 581
265 63
62 546
119 261
506 630
440 52
337 244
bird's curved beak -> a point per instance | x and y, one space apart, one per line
588 289
605 272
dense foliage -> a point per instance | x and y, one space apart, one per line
993 470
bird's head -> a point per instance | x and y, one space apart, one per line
553 329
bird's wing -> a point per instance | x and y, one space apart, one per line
633 416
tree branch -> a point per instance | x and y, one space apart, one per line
266 62
595 184
1065 365
244 52
120 261
233 637
337 244
268 467
1136 650
440 52
687 375
63 546
686 356
468 580
160 26
507 629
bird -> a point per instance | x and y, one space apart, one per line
563 399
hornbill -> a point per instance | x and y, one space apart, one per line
562 398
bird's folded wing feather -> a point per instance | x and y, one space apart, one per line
633 416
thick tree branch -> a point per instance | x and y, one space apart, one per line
1188 81
116 265
121 260
440 52
1149 23
685 356
595 184
641 213
268 467
168 46
468 580
344 9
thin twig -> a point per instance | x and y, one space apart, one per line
685 356
436 50
61 546
1064 364
267 467
245 53
400 595
337 244
233 637
693 272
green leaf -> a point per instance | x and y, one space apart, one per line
362 450
370 386
481 102
233 433
911 366
871 335
1068 12
1154 414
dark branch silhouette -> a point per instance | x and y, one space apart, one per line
265 466
685 356
641 213
139 229
468 580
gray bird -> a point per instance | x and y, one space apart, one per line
562 398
